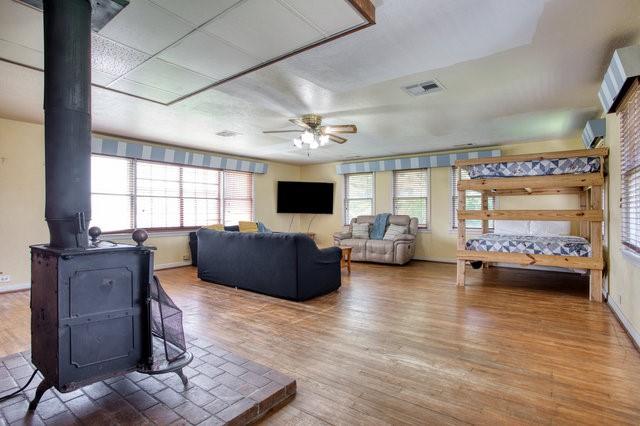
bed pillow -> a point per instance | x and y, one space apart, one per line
512 227
550 227
360 231
393 231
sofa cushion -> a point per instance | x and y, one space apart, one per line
360 231
216 227
393 231
380 251
358 247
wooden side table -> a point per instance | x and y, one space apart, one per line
346 258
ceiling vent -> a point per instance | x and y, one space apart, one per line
227 134
424 88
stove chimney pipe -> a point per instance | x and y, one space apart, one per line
67 119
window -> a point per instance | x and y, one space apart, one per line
411 194
358 195
474 202
630 169
129 194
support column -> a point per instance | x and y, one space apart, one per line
462 238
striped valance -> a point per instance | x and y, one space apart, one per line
142 151
421 162
625 64
593 131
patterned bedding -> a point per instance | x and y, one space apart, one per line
530 244
560 166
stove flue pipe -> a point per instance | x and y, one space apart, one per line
67 121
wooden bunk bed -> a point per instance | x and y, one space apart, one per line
589 216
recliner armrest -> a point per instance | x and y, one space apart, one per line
404 238
342 235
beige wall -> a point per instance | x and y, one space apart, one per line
438 243
22 203
624 274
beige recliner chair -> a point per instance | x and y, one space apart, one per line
399 251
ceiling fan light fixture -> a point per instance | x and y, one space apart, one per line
307 137
297 142
324 140
314 144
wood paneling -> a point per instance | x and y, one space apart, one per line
404 345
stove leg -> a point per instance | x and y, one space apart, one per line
42 388
184 379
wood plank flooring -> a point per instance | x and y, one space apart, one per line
404 345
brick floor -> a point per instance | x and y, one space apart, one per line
224 388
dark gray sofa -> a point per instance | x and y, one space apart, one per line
289 266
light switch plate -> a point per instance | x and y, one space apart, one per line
5 278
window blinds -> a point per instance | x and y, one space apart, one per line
238 197
630 169
473 202
358 195
129 194
411 194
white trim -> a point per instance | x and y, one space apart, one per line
435 259
172 265
152 234
631 256
626 324
14 287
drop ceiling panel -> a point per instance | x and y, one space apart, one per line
21 54
143 90
331 16
21 25
102 78
263 28
196 12
168 77
208 55
112 58
146 27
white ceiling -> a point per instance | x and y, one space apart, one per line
513 70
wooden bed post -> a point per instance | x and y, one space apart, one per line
462 227
595 279
584 225
485 222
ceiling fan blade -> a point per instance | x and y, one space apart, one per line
299 122
340 128
281 131
336 138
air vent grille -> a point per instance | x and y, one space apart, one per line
424 88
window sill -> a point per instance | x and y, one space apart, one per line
631 256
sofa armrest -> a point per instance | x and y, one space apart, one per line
342 235
404 238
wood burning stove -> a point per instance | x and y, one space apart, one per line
91 302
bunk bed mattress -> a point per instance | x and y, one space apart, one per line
530 244
560 166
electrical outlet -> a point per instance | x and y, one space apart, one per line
5 278
186 257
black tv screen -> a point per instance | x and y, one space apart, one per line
305 197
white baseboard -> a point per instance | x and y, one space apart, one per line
172 265
14 287
626 324
435 259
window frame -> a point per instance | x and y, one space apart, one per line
173 229
421 227
453 206
345 198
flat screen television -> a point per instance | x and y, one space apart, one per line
305 197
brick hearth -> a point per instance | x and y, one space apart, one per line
224 388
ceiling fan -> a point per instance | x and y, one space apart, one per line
314 134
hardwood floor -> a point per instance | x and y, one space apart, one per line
405 345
